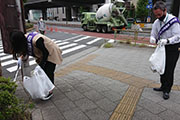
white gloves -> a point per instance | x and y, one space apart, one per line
152 40
19 63
162 42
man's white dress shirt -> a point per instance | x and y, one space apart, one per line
172 34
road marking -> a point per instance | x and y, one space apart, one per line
6 57
2 54
63 43
73 49
67 46
12 69
111 41
2 50
93 41
32 62
72 38
86 37
8 62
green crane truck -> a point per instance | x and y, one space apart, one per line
107 18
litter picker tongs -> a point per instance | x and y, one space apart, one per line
17 71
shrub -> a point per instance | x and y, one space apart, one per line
11 108
108 45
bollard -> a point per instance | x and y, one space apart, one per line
135 36
0 69
115 34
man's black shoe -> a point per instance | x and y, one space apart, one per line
157 89
166 95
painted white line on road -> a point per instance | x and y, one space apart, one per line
67 46
93 41
72 38
73 49
80 39
111 41
14 68
57 41
8 62
63 43
6 57
32 62
2 54
2 50
53 40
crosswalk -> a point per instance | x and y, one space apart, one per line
66 45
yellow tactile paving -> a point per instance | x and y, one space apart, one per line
126 107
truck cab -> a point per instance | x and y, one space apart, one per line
88 21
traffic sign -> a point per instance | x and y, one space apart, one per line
149 6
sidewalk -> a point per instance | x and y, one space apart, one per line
108 84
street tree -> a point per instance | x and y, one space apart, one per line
141 10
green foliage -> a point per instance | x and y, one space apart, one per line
141 10
24 1
82 9
131 12
11 107
108 45
28 25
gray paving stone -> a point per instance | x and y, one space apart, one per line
145 115
152 95
82 88
90 82
93 95
52 113
36 115
59 81
65 87
106 105
99 87
75 114
170 105
25 96
85 104
104 80
113 96
169 115
57 95
43 104
64 105
97 114
74 95
74 81
151 106
175 96
138 108
118 87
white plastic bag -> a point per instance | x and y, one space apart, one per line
158 59
38 85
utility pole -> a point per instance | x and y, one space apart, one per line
11 18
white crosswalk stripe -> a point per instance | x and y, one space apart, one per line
73 49
80 39
93 41
64 45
